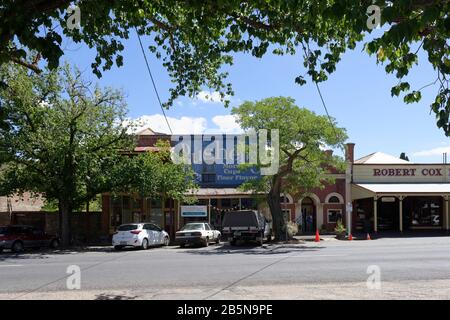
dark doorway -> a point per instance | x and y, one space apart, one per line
309 221
388 214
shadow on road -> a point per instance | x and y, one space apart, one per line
225 249
104 296
47 253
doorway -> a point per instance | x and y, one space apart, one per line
388 214
309 221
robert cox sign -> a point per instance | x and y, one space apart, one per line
260 149
410 172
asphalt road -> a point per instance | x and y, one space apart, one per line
409 268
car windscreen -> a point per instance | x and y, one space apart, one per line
240 218
193 226
128 227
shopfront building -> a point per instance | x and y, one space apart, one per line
376 193
391 194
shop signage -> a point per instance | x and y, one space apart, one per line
194 211
409 172
388 199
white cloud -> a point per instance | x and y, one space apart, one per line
227 124
432 152
183 125
209 97
186 125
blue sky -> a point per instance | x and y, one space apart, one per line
357 95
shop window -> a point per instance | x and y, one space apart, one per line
334 199
156 217
155 203
426 212
136 203
234 204
225 203
126 202
248 203
334 215
201 202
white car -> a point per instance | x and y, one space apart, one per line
139 235
197 233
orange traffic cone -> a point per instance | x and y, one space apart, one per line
368 237
317 236
350 237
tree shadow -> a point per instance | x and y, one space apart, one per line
104 296
226 249
47 253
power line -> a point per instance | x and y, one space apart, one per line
153 81
326 110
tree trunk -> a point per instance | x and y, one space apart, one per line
66 212
88 223
278 222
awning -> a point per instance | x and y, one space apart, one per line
367 189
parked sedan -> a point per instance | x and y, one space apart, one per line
197 233
19 237
139 235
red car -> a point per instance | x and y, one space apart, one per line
18 237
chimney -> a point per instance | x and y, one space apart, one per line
350 152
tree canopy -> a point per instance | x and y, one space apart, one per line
302 162
195 39
155 176
63 138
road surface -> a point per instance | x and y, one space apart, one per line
409 268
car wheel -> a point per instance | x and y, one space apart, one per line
118 248
218 240
166 241
144 244
17 246
54 244
233 242
206 243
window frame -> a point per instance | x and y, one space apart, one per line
328 214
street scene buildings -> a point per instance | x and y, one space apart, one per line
224 150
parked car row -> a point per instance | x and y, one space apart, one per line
238 226
243 225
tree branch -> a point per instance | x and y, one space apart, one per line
26 64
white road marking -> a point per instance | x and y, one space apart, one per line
11 265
